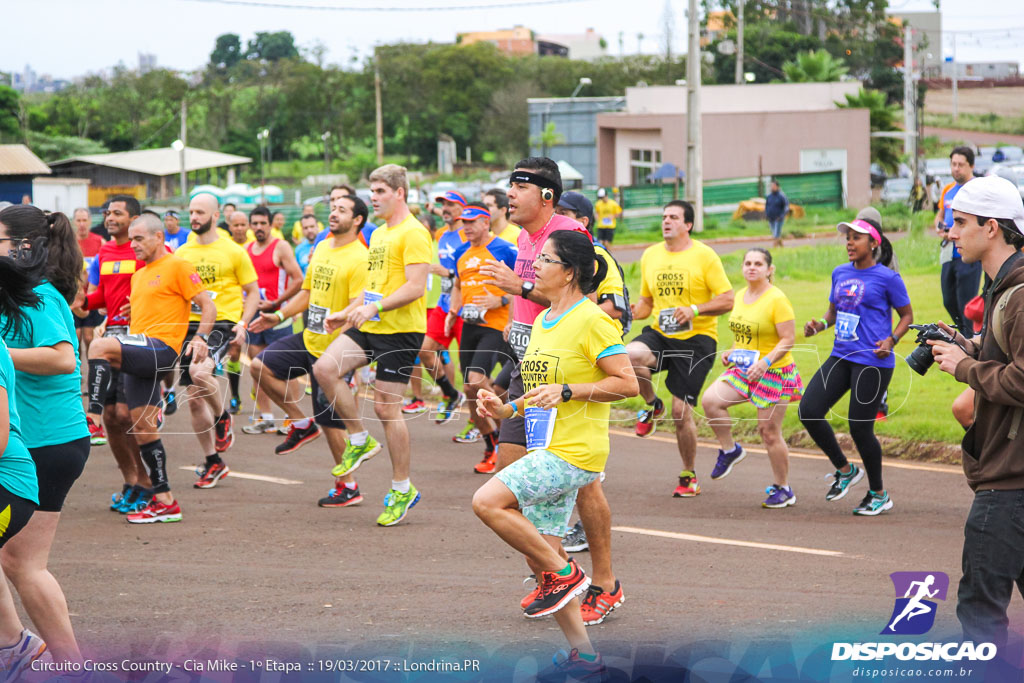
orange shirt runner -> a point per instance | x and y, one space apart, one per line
161 297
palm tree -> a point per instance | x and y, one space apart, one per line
816 66
883 117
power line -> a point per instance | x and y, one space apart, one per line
503 4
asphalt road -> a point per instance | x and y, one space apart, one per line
256 568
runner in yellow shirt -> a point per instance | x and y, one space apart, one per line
226 272
608 214
573 367
334 282
386 324
761 370
684 285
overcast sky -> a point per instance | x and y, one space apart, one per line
67 38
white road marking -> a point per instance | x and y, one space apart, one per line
235 474
889 462
729 541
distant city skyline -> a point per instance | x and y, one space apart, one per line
179 34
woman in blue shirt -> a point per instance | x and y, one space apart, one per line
863 295
46 360
19 491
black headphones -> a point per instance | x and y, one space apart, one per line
547 194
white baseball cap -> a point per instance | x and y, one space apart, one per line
991 197
601 192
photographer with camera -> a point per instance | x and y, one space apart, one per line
988 227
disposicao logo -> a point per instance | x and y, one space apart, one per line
914 612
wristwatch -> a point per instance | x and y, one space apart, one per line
204 337
566 393
527 288
504 301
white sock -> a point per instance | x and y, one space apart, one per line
359 438
401 486
302 424
350 485
266 416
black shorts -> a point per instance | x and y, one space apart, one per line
605 235
21 511
504 377
220 338
57 468
513 430
115 394
688 361
143 365
395 354
481 349
93 319
287 359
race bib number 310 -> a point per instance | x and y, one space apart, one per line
519 338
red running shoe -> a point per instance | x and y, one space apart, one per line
156 512
646 418
556 591
225 435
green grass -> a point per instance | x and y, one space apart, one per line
919 406
895 217
984 123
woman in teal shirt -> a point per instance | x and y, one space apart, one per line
46 360
19 492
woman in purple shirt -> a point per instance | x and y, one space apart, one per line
860 304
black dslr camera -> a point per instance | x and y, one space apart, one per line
921 358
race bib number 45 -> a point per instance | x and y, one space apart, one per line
317 314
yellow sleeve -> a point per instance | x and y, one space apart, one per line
296 231
612 283
714 275
245 272
601 335
618 209
782 311
416 247
307 279
645 289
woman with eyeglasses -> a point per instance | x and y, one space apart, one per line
19 488
47 367
574 366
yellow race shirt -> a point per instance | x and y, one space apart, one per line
565 351
753 325
224 268
297 231
605 211
682 278
391 250
612 284
334 277
510 234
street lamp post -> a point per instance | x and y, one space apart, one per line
583 81
327 151
179 147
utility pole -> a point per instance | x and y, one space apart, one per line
380 115
181 153
955 108
694 146
909 117
739 45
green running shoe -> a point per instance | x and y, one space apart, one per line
396 506
354 456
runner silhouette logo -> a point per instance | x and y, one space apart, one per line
916 592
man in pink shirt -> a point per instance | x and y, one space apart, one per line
534 189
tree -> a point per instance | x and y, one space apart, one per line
227 52
883 117
817 66
272 46
10 127
766 48
548 138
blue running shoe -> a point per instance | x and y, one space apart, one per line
726 461
118 498
170 403
779 497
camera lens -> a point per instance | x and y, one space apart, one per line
920 359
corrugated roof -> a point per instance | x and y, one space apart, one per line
19 160
163 161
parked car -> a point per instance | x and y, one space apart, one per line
896 190
878 175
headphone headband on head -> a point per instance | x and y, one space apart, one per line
553 189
